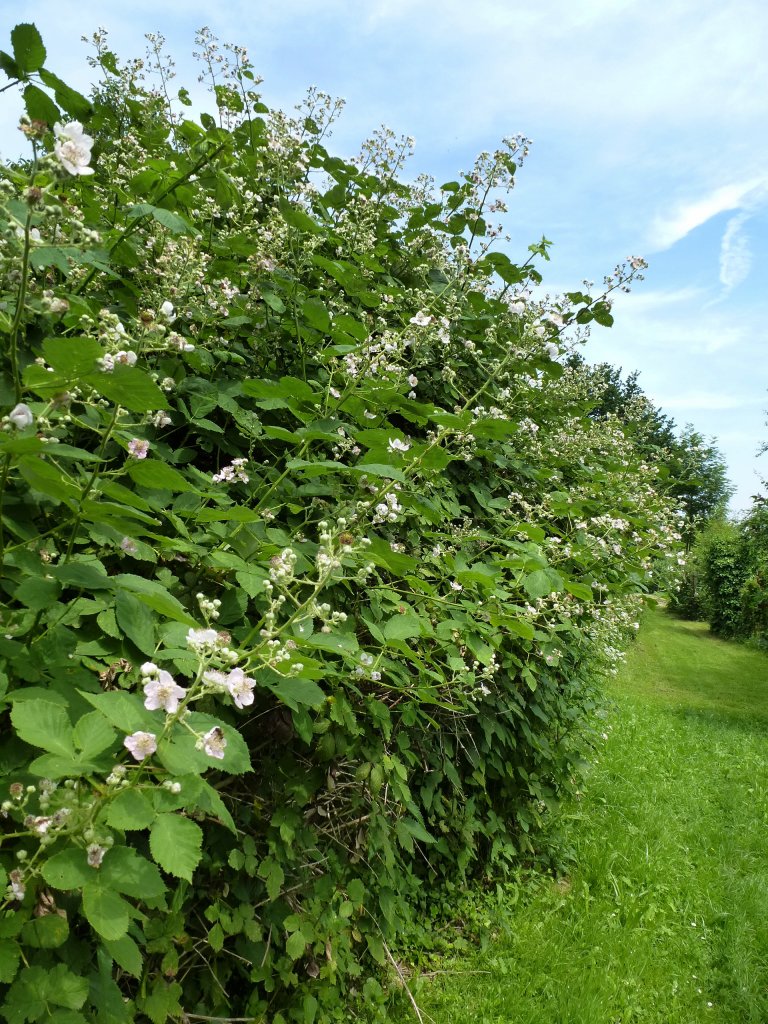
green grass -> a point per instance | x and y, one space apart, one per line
664 918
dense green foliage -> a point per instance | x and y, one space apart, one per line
662 916
691 468
727 579
312 554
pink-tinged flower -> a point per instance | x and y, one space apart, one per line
163 692
214 743
138 449
95 855
240 687
130 547
73 147
21 416
141 744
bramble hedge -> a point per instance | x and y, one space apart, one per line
312 555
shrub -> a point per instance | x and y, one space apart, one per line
312 557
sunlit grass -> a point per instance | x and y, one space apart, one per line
664 918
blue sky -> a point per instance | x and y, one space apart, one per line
648 119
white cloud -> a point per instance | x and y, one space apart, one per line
735 253
685 216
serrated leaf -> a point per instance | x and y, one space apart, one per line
402 627
273 876
315 313
136 620
155 596
92 734
175 224
67 870
9 960
28 48
72 357
125 711
295 692
580 590
39 105
542 582
37 593
295 945
44 725
130 387
176 844
126 954
126 871
48 932
181 756
69 99
106 912
163 1002
9 65
130 810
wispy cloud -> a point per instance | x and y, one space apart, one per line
735 254
672 226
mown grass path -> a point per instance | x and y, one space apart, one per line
664 919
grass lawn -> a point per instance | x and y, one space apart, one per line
664 919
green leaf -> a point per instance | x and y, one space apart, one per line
580 590
208 800
47 932
273 876
155 596
54 766
106 912
92 734
151 473
9 65
295 691
126 871
402 627
26 998
295 945
40 106
181 756
38 593
130 810
542 582
315 313
9 960
163 1002
72 357
126 954
130 387
175 224
176 844
28 49
69 99
135 619
85 575
67 870
125 711
44 725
